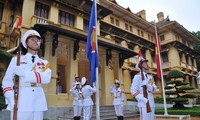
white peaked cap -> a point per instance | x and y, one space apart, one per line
28 34
139 62
75 75
83 80
117 81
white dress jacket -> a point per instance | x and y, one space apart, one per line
34 74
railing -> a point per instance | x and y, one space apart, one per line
194 69
38 20
183 64
166 65
132 60
189 67
153 65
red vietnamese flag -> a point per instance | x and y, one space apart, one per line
139 54
19 22
157 52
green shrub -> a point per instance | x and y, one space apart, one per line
46 119
157 100
5 56
2 103
179 89
194 111
174 74
2 100
132 99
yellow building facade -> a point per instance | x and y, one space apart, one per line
63 25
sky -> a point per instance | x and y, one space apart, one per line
185 12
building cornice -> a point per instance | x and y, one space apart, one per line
178 29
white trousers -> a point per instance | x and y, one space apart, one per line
77 110
87 112
24 115
143 113
119 110
151 114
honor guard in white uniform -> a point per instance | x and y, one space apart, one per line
118 101
33 72
151 88
76 79
78 100
87 92
137 89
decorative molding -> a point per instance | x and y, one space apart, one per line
76 48
54 44
42 47
108 56
121 59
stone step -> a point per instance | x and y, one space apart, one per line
106 113
102 108
128 113
134 116
102 111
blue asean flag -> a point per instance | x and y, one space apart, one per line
91 47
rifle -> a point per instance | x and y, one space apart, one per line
145 92
16 85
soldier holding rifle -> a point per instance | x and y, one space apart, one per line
33 72
151 88
140 88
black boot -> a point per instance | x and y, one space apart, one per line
122 117
79 118
118 117
75 118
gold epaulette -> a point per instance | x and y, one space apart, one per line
46 67
34 68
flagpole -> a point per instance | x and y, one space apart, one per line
97 72
161 72
97 96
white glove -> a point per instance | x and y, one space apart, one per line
9 97
74 87
19 71
75 98
94 86
144 100
144 83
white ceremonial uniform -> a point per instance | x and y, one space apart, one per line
31 97
87 92
151 88
74 83
137 92
118 101
78 101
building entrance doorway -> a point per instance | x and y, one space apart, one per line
84 71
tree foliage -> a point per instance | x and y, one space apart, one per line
5 56
197 48
174 74
196 34
178 89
